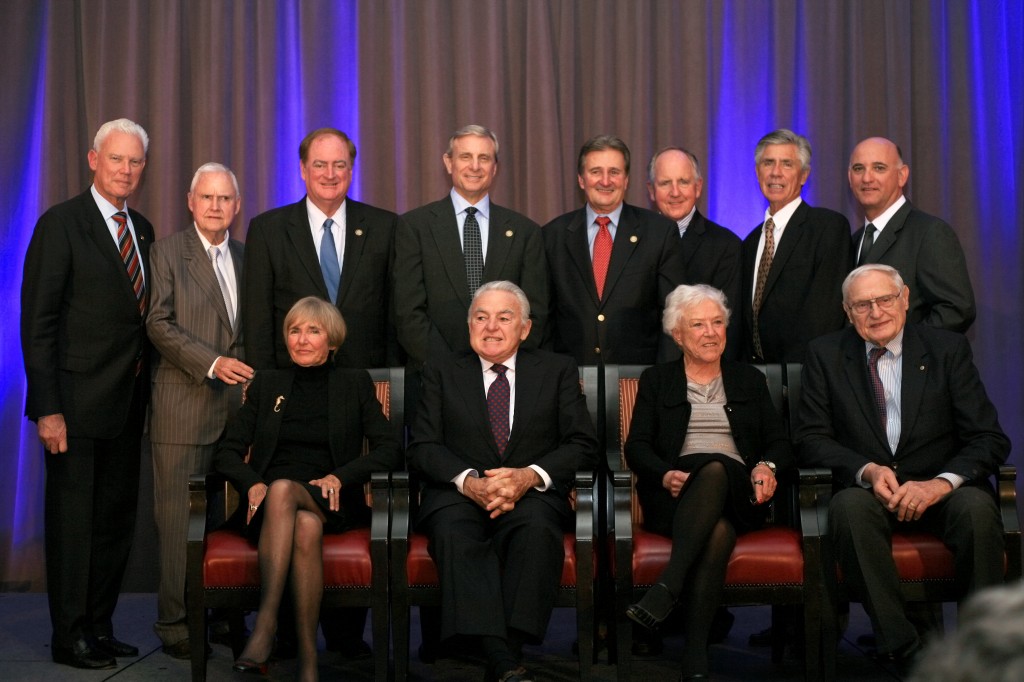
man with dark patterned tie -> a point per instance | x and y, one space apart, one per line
197 375
84 300
500 432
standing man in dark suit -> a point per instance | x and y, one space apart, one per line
442 256
899 413
794 262
922 247
710 253
500 433
611 267
292 252
84 300
197 375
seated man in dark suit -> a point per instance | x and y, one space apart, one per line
923 248
500 432
899 413
711 254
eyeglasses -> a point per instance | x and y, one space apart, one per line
883 302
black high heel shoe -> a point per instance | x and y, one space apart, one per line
653 608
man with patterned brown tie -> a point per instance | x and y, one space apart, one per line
197 376
84 300
500 432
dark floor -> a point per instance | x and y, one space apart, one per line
25 652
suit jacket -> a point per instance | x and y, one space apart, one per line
928 255
662 414
189 326
82 335
551 429
431 293
624 326
355 414
711 254
803 295
947 422
281 267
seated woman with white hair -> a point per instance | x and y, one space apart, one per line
705 443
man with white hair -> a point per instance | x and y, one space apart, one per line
84 300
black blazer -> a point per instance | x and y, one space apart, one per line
712 255
281 267
81 331
928 255
624 327
355 413
803 295
431 293
947 422
552 427
662 413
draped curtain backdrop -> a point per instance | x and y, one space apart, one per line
242 82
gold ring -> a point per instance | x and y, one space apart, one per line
252 507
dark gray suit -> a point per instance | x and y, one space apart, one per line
431 294
947 425
189 326
928 255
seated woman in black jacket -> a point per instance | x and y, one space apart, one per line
704 442
305 426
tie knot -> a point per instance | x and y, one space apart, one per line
769 225
870 229
327 224
471 211
120 218
603 221
499 369
214 253
876 354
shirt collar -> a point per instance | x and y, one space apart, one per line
317 217
881 221
782 216
895 346
614 215
509 362
461 204
107 209
222 247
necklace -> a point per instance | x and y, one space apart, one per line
708 391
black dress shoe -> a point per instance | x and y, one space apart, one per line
81 654
116 648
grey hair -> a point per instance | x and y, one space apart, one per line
473 129
321 312
122 125
213 167
506 286
600 143
690 155
686 296
892 272
785 136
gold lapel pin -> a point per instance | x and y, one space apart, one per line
633 239
359 233
277 403
509 233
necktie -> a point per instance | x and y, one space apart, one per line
602 253
876 383
223 282
329 261
473 250
762 276
866 244
497 407
126 245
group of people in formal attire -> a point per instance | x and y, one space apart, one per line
251 361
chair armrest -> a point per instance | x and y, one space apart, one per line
585 510
200 486
815 493
1007 488
380 515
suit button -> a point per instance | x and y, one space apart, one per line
600 318
598 350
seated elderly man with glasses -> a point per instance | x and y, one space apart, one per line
899 413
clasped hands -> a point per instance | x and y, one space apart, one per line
498 490
908 501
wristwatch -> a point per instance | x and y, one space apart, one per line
770 465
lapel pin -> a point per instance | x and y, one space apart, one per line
633 239
277 403
921 368
359 233
509 233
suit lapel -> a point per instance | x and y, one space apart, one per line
788 245
691 240
444 230
237 255
856 369
200 269
889 234
528 386
298 234
470 382
579 252
280 393
627 238
355 241
674 402
915 374
106 245
499 242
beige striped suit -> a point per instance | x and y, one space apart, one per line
189 327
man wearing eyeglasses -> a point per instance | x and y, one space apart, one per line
925 249
899 413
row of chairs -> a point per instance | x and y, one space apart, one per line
610 560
